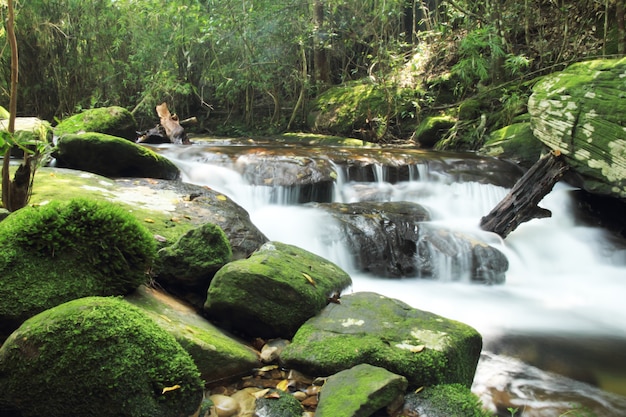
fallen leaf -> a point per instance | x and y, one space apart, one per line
417 349
273 394
419 389
267 368
308 278
261 394
147 220
283 385
172 388
222 197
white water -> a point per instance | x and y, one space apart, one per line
561 278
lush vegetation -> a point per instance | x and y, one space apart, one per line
254 65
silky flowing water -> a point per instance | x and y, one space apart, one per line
554 332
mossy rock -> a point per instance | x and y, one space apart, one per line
433 129
96 356
359 392
580 112
274 291
187 267
515 142
114 121
65 250
369 328
359 106
453 400
112 157
216 354
278 403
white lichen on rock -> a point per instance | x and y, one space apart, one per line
352 322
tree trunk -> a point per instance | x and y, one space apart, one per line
621 27
520 205
320 57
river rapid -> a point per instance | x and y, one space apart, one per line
554 333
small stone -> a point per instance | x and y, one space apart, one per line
300 395
224 406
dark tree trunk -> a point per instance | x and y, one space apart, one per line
320 57
621 28
520 205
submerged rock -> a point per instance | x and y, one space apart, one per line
580 112
359 392
369 328
112 156
274 291
96 356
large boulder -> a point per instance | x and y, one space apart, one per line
114 121
217 354
274 291
359 392
28 130
96 356
580 112
449 400
60 251
187 267
369 328
112 156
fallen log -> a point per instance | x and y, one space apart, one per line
520 205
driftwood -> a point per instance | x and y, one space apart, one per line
520 205
169 130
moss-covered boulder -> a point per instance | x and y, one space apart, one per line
114 121
359 392
216 354
274 291
515 142
187 267
112 156
580 112
65 250
369 328
451 400
96 356
433 129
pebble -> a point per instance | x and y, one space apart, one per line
224 406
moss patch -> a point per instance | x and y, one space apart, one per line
115 121
515 142
97 356
453 400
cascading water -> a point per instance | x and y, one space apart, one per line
564 279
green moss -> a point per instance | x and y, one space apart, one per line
453 400
115 121
515 142
433 128
97 356
281 404
65 250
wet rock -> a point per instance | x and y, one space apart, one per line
381 236
444 401
455 256
96 356
369 328
433 129
114 121
112 156
187 267
216 354
359 392
27 130
579 112
272 350
274 291
224 406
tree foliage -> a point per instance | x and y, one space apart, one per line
257 62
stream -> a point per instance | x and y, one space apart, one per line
554 333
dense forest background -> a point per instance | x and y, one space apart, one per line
255 65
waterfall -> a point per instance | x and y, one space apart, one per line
563 278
